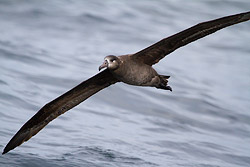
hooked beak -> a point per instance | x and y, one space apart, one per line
105 64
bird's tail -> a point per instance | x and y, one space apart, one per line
164 83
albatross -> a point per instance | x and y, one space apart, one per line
133 69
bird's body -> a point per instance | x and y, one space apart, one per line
135 73
134 69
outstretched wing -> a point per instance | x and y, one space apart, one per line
154 53
59 106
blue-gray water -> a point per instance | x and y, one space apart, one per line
48 47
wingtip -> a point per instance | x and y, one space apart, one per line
5 151
10 146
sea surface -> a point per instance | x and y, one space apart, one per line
47 47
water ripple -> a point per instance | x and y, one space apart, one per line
48 47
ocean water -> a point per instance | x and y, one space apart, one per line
48 47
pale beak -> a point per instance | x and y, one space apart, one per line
105 64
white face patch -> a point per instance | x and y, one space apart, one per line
110 61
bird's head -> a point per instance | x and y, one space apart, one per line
110 62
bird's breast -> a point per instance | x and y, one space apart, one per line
135 74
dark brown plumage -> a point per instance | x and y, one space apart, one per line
135 69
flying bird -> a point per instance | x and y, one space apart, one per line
133 69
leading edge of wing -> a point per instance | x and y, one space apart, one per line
59 106
159 50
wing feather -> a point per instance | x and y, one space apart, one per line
159 50
59 106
